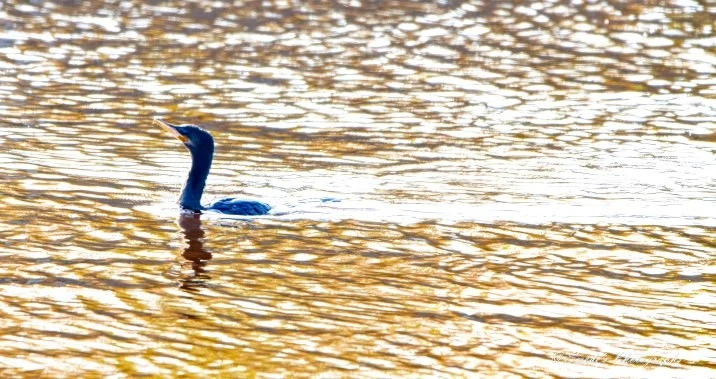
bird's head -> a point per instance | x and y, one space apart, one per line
196 139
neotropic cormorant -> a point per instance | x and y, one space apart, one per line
201 146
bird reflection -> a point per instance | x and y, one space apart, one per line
192 271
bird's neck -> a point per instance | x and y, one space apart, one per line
190 197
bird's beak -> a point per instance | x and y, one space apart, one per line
170 128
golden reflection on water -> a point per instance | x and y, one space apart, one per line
263 296
497 189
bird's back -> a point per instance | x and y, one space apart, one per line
239 207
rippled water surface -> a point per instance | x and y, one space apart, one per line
518 189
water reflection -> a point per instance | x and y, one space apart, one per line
191 272
519 180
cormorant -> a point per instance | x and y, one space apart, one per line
201 146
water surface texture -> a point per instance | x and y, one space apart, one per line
509 189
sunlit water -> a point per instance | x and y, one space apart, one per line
461 189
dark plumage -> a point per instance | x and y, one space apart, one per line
201 146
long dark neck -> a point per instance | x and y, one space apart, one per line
190 197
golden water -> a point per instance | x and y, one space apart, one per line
521 189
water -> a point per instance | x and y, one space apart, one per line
524 189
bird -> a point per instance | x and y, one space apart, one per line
201 146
